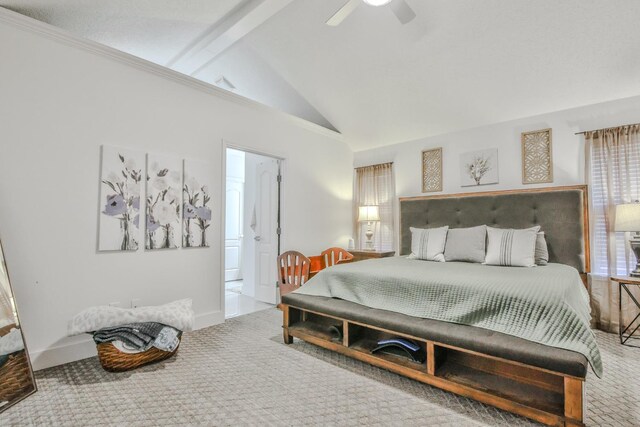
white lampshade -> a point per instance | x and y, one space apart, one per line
377 2
368 213
628 217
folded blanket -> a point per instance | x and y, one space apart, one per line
166 340
177 314
139 336
11 342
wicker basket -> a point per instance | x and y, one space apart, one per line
15 375
113 360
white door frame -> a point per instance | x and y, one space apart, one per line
223 206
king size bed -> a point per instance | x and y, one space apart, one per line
517 338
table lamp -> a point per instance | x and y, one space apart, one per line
369 214
628 219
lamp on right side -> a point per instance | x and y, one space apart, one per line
628 219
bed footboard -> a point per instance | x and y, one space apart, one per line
542 395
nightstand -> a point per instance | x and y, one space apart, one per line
624 282
362 255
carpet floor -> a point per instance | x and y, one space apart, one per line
240 373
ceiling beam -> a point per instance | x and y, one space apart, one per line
243 19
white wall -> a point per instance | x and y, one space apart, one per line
568 149
60 101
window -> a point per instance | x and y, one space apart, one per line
374 185
615 178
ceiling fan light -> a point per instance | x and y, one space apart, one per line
376 2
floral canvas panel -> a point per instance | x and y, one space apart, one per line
479 168
196 211
164 202
120 187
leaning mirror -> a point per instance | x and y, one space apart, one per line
16 375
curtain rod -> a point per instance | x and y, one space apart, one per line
378 164
614 127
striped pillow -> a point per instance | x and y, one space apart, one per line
428 243
509 247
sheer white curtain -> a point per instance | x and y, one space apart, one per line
613 162
375 185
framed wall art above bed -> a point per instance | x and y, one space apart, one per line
479 167
432 170
537 158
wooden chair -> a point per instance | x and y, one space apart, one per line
293 271
329 257
333 256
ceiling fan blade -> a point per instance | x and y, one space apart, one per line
403 11
344 11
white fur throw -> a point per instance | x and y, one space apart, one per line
177 314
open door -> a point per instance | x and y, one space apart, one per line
267 200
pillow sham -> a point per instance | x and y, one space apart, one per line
541 254
466 244
428 243
509 247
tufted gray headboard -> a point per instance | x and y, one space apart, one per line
562 213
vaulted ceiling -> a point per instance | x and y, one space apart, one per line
458 64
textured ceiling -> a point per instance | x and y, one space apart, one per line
155 30
459 64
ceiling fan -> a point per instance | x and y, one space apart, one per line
400 8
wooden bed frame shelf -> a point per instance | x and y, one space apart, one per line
549 397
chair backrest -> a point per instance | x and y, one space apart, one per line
293 271
333 256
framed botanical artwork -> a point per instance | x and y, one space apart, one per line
164 202
479 167
432 170
537 162
121 176
196 199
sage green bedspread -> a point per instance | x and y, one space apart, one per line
546 304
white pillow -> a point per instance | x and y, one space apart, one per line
428 243
509 247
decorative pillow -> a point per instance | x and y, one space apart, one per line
466 244
541 252
509 247
428 243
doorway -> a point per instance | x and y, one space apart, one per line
252 231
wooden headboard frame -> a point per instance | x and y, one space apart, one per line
585 207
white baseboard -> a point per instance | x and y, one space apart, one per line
211 318
67 353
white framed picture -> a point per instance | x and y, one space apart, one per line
479 168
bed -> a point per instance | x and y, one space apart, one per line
515 338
